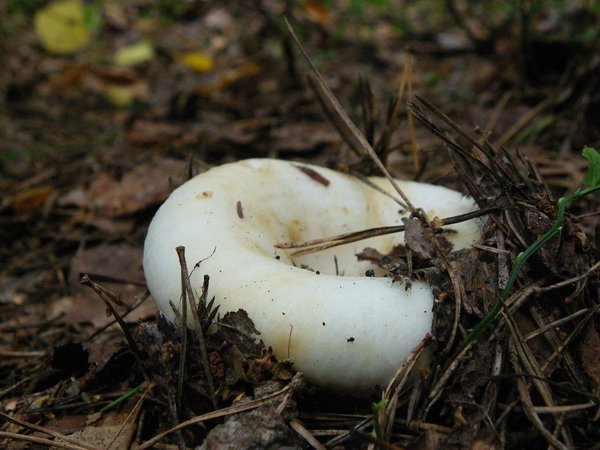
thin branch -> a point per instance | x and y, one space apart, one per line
109 299
320 244
197 324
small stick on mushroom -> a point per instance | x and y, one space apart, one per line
319 244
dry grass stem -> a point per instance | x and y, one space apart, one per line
341 121
387 414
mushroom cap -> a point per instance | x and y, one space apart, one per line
348 333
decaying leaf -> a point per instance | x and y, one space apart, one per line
239 330
113 430
144 186
419 238
134 54
61 26
30 200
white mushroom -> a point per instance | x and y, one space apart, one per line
347 333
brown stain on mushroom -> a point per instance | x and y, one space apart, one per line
205 195
295 229
239 209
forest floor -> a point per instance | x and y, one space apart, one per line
99 125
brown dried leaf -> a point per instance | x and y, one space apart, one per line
144 186
267 367
149 133
115 430
77 309
119 269
30 200
120 261
418 238
370 254
240 331
304 136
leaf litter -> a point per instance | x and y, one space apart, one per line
82 204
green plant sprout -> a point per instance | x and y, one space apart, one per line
375 408
122 398
592 182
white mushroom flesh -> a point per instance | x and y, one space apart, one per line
348 333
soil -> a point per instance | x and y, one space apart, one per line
498 108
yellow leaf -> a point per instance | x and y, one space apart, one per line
61 27
123 95
120 95
197 61
137 53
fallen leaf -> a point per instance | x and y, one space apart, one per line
304 136
122 95
88 308
117 267
78 309
196 61
224 79
146 133
122 262
418 238
115 430
146 185
68 423
239 331
131 55
121 85
61 26
30 200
